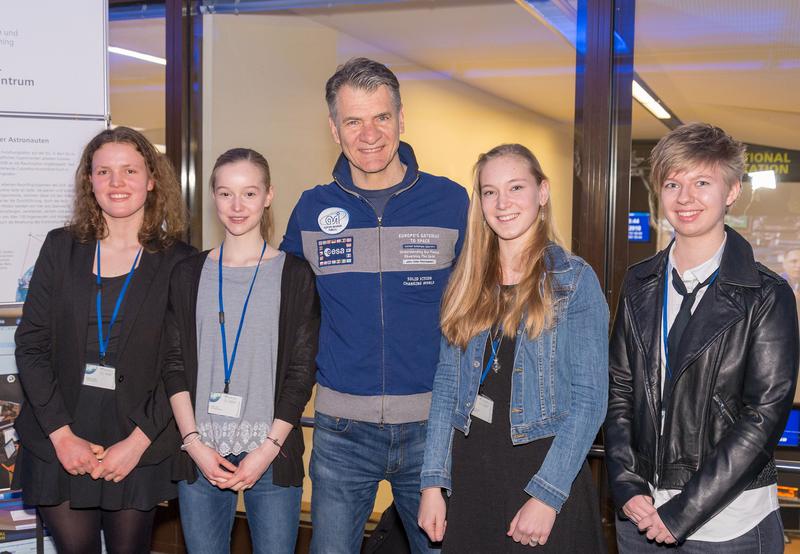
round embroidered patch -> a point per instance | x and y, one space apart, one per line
333 221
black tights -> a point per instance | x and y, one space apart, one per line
78 531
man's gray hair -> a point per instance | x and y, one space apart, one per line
364 74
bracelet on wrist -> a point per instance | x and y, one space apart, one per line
278 444
193 440
189 434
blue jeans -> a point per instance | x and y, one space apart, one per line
273 515
764 538
348 460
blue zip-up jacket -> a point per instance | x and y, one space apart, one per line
380 279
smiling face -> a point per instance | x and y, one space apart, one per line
367 127
511 198
120 181
695 201
241 196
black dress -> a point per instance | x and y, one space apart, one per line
489 476
95 419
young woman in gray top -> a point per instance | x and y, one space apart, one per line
239 367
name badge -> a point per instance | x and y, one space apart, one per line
484 406
228 405
100 376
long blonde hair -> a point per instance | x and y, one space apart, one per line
473 300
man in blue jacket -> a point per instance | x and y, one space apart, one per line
381 238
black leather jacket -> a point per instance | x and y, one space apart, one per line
732 393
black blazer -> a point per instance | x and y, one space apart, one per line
51 341
298 333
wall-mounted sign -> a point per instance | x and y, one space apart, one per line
639 227
53 57
38 158
785 163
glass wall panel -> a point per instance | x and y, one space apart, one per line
734 64
137 74
473 74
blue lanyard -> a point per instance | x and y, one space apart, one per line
229 365
495 345
664 330
99 302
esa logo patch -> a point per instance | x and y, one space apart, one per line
336 251
333 221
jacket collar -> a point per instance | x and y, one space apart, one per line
645 301
738 266
138 294
343 176
555 259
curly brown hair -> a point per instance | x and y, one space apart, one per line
164 211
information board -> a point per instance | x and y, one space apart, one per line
53 58
38 158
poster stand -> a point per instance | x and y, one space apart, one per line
54 97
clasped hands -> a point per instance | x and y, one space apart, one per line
225 475
80 457
641 511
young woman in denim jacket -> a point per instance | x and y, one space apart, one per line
522 375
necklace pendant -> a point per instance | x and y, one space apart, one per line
496 365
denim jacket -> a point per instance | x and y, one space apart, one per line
559 384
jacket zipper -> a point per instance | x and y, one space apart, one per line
657 427
723 409
383 324
380 281
380 284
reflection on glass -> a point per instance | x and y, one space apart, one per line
473 74
137 74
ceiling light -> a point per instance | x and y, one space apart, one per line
137 55
763 179
652 105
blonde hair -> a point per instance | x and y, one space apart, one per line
697 144
164 212
248 155
473 300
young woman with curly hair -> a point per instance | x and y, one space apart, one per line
87 350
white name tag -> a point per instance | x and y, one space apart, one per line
228 405
100 376
484 406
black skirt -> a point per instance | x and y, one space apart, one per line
489 476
